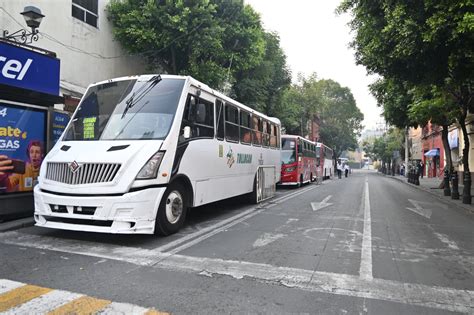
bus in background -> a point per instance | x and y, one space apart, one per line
140 150
324 156
298 160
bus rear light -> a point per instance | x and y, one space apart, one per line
150 169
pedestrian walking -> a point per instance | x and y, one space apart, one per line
420 171
346 169
339 169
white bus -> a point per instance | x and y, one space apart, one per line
325 162
140 150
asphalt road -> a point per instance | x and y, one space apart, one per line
366 244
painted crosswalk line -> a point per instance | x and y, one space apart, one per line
20 298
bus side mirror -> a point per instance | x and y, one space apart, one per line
187 132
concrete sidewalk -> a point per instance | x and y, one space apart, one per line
431 185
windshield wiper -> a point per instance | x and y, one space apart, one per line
138 95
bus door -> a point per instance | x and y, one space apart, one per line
301 167
196 155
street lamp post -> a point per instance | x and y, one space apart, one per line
33 19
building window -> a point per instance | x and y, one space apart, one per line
86 11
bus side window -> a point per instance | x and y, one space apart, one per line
278 136
266 133
245 130
220 120
199 115
273 137
231 123
256 133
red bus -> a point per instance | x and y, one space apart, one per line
324 160
298 160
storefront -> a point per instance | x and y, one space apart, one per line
433 151
29 88
432 163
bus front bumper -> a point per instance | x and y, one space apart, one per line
289 178
130 213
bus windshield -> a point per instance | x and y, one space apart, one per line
288 156
126 110
288 151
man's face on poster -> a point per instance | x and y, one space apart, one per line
35 156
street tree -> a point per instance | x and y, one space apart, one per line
431 105
385 148
208 39
262 87
394 98
424 43
334 105
341 119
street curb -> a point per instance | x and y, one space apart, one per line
16 224
468 209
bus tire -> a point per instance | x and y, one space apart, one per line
172 210
252 196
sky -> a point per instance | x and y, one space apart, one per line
315 39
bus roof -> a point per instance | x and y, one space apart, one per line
196 83
296 137
320 144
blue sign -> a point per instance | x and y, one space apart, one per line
22 146
60 121
27 69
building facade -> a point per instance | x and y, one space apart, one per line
75 47
81 36
433 151
313 129
416 151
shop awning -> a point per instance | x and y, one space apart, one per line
432 153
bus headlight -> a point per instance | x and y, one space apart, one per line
290 169
150 169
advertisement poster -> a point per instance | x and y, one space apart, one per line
453 139
60 121
22 147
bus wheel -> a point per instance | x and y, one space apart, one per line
252 196
172 211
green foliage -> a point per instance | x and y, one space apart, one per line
383 148
262 87
219 42
198 38
424 47
422 42
394 98
340 118
432 105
